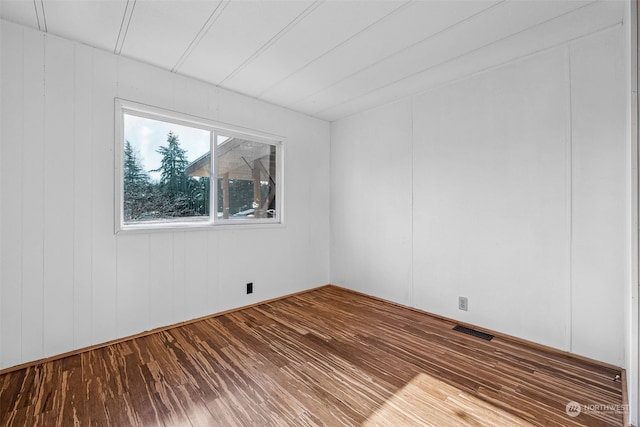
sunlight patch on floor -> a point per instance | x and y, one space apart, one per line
427 401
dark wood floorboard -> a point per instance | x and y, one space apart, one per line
326 357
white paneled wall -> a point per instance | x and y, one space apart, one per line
601 202
1 135
2 304
67 281
371 202
12 240
490 198
508 187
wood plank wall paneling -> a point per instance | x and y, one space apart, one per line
58 197
32 177
133 284
161 279
103 249
67 280
12 112
324 357
600 195
197 268
82 184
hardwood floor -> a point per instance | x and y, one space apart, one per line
326 357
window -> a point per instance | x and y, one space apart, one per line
166 176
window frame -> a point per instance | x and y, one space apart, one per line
123 106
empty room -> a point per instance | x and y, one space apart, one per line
319 212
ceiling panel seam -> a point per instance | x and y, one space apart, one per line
274 39
342 43
473 72
124 26
40 12
401 51
203 31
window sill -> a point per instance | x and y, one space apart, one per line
202 226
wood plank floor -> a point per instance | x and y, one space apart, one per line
326 357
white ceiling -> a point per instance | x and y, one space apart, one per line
325 58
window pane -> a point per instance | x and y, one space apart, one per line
246 175
193 173
165 171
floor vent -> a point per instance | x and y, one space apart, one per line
473 332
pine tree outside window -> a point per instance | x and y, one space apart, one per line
165 172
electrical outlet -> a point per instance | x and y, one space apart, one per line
250 288
463 304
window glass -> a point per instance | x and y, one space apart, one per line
156 184
167 172
246 179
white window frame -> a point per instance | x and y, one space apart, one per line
123 107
